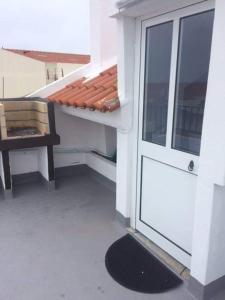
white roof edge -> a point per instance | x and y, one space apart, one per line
127 3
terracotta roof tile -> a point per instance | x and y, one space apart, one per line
75 93
98 93
100 105
53 57
91 101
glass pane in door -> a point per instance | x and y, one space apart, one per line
156 85
192 76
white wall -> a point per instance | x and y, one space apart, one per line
23 161
51 88
79 136
216 263
55 71
103 32
68 68
21 75
209 238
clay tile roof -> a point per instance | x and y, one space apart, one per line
53 57
98 93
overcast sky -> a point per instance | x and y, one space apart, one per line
50 25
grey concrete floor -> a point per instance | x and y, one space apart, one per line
52 244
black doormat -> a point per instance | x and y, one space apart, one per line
132 266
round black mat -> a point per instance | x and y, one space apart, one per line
132 266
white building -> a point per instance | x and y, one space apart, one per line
24 71
170 171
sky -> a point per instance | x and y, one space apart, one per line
47 25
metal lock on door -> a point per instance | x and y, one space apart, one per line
191 166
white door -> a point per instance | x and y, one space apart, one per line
175 57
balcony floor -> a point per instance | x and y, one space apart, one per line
53 244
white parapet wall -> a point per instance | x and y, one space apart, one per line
101 165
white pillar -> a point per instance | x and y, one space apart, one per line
110 140
126 58
2 170
125 140
208 258
123 174
43 162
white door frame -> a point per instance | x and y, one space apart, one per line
193 9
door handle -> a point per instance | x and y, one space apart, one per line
191 166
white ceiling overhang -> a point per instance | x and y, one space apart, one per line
137 8
127 3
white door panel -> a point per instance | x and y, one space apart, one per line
167 156
174 62
160 209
